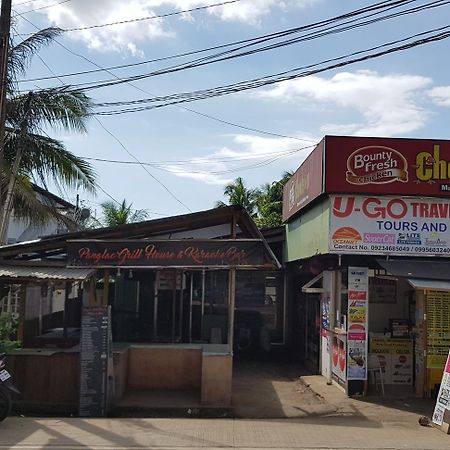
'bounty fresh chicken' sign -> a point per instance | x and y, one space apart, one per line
376 165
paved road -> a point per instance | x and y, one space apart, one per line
169 434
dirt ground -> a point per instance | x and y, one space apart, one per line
286 390
274 390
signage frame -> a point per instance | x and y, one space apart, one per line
171 253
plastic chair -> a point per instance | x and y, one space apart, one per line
375 371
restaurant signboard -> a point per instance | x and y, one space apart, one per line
167 253
394 225
368 165
387 166
305 185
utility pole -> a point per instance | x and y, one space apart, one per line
5 25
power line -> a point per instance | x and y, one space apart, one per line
179 106
185 97
143 166
374 9
42 7
160 16
183 162
227 55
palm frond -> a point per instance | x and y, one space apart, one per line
20 55
59 108
44 159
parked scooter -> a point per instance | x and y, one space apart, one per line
6 389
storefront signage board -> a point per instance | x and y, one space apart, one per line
393 225
167 253
416 167
375 166
305 185
357 320
442 409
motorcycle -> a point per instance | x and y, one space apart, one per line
6 390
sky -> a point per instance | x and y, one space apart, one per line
193 149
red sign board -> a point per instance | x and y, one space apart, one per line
167 253
305 185
387 166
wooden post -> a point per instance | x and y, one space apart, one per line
231 306
92 299
105 288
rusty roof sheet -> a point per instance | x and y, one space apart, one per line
44 273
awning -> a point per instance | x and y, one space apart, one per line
407 268
421 283
44 273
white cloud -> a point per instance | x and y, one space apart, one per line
129 37
440 95
245 151
387 103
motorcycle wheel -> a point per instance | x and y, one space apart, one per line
5 404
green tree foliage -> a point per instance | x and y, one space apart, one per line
239 194
265 204
28 117
114 214
8 330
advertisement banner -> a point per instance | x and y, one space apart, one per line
396 359
393 225
305 185
442 408
339 357
357 320
414 167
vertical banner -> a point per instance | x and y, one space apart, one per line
441 413
94 354
357 319
325 343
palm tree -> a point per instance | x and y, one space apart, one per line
269 202
29 154
114 215
239 194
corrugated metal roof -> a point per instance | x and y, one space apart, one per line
440 285
44 273
413 268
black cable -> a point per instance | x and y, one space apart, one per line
162 164
143 166
224 56
272 79
252 41
179 106
41 7
160 16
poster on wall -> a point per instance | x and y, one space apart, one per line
382 290
339 357
357 315
396 359
438 324
393 225
442 408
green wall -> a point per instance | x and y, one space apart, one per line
308 233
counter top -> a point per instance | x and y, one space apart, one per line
207 349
